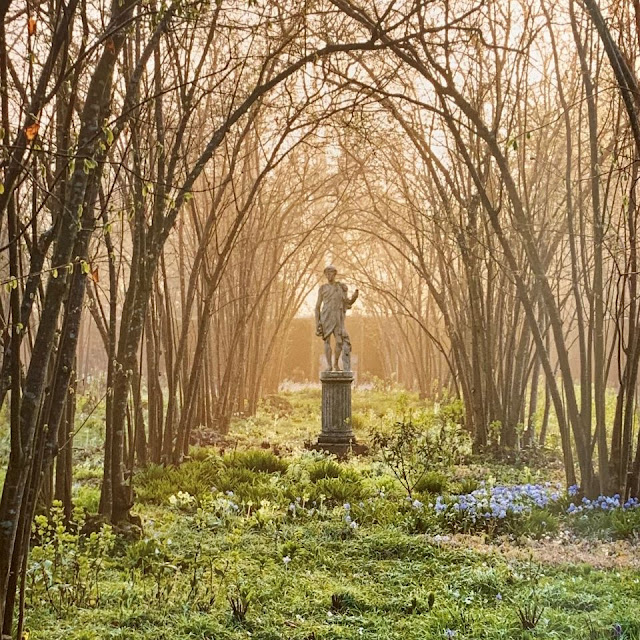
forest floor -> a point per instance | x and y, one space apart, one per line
245 541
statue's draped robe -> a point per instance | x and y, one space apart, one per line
334 301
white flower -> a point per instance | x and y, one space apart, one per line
286 560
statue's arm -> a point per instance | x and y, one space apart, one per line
318 306
352 299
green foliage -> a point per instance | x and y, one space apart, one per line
413 447
256 460
337 490
468 485
613 524
250 544
325 468
87 498
239 605
155 484
66 568
432 482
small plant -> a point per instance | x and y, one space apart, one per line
432 482
322 469
239 605
257 460
529 614
411 607
341 602
408 451
66 567
338 602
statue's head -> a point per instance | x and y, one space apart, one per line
330 271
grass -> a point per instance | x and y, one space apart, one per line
293 572
261 543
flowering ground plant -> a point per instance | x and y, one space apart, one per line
496 509
604 516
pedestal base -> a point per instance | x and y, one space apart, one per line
339 449
337 434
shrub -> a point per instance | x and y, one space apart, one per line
468 485
156 483
277 404
411 449
358 421
432 482
87 498
338 490
538 523
65 567
326 468
256 460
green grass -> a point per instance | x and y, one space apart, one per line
288 420
374 582
304 571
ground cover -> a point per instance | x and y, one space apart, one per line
252 543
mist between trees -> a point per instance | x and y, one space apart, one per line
176 174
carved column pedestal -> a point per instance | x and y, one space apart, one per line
337 434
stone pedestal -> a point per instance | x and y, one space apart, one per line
337 434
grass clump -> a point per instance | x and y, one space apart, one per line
156 484
256 460
432 482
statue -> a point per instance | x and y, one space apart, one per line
333 302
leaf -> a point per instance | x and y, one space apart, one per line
31 26
95 275
84 265
32 131
54 273
108 135
111 47
1 188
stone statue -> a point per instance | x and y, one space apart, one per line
333 302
